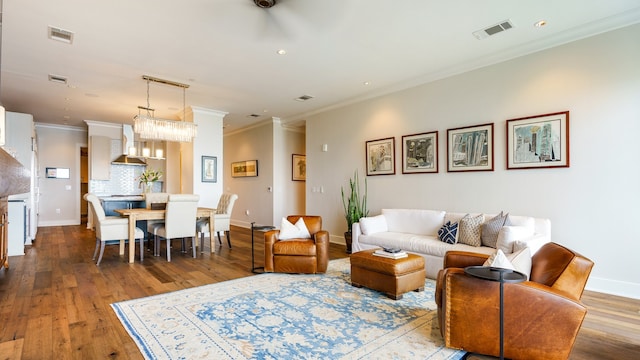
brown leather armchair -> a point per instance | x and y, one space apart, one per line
308 256
542 316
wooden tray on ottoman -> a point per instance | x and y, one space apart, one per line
394 277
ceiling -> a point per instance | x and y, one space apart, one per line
337 51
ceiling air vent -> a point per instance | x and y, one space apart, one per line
304 98
253 115
494 29
58 34
58 79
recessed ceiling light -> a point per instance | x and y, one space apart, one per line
366 83
540 23
281 52
57 79
304 98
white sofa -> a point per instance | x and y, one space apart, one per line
416 231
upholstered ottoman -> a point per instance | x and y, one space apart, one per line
394 277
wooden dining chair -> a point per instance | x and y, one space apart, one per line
180 220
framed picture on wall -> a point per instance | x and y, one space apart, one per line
209 169
298 167
244 168
420 153
381 159
470 148
540 141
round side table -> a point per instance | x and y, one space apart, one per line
502 276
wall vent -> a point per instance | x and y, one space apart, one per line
58 34
304 98
57 79
494 29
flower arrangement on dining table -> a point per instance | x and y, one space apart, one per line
148 177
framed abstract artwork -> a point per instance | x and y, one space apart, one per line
381 159
209 169
298 167
470 148
420 153
244 168
540 141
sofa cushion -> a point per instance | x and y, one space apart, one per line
414 221
290 231
449 233
373 224
491 227
470 230
508 235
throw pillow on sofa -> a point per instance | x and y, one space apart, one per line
518 261
508 235
290 231
449 233
470 230
373 224
491 228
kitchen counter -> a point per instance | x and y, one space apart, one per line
122 198
113 202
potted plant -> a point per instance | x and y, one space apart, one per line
148 177
355 206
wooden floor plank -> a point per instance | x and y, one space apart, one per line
55 303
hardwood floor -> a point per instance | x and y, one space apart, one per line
55 302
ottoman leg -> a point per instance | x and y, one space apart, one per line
394 296
419 289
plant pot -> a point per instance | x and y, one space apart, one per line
347 240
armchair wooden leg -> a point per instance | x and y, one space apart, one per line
95 252
229 238
219 240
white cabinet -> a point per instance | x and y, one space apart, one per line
100 158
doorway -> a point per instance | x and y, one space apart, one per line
84 183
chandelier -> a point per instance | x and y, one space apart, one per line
152 128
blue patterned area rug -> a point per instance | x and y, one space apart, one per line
281 316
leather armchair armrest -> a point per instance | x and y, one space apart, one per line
321 239
539 322
270 238
462 259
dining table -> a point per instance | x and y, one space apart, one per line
149 214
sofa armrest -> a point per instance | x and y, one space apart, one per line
355 235
534 243
539 322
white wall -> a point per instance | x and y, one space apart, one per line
209 142
59 146
272 145
592 204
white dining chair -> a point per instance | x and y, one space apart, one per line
180 220
110 230
155 201
221 220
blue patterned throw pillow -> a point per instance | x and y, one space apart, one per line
449 233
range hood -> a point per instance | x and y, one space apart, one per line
127 142
128 160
